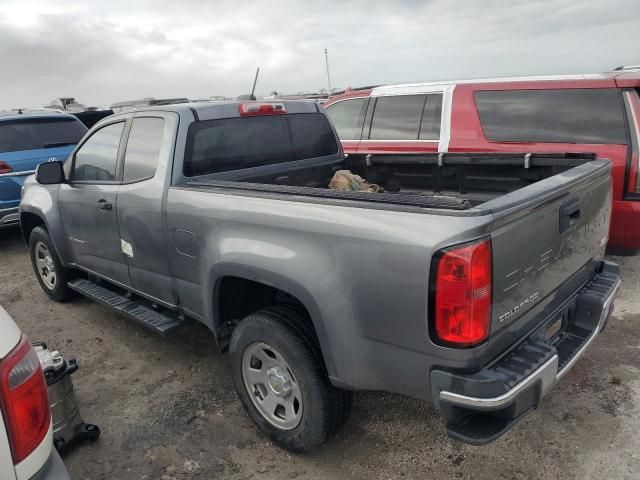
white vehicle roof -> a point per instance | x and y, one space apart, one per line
425 87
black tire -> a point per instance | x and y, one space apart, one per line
59 292
325 408
298 319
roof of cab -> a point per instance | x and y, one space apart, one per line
216 109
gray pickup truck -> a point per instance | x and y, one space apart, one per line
472 281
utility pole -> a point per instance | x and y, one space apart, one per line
326 59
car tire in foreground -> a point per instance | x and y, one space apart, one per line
279 375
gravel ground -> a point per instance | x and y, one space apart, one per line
167 408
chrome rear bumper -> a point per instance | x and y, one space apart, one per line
481 406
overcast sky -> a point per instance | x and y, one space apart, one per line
102 51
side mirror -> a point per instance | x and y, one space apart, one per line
50 173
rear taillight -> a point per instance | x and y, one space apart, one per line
5 168
252 109
24 400
633 110
461 294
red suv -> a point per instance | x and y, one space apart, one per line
597 113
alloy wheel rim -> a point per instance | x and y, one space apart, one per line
45 266
272 386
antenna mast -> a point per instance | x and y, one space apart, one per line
326 59
255 80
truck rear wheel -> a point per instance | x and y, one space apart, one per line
51 275
282 382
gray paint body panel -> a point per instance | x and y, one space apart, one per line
141 221
362 272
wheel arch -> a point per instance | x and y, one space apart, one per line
29 221
270 280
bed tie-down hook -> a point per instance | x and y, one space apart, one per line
367 160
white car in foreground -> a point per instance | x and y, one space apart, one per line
26 438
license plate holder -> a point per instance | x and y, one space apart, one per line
554 329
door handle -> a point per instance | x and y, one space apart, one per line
104 205
569 214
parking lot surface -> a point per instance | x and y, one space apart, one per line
167 408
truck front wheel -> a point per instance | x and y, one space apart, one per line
281 381
51 275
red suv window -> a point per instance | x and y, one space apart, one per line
407 117
348 116
552 116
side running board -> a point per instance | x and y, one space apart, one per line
138 310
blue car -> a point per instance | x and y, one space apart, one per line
26 140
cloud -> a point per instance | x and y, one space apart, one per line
104 51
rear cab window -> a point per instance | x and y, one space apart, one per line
223 145
590 116
143 149
33 133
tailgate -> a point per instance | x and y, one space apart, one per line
544 234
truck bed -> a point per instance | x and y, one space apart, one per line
448 181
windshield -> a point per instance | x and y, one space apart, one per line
33 133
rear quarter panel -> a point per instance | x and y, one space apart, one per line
361 273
